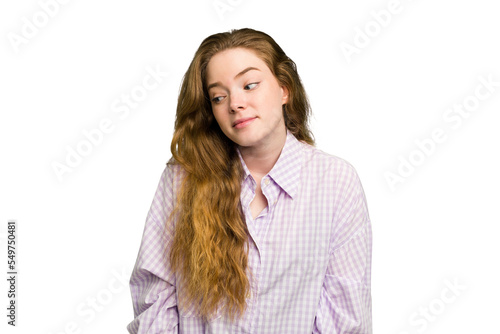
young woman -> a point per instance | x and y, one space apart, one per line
252 229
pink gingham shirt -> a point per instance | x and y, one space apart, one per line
309 253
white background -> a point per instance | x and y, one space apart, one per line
79 235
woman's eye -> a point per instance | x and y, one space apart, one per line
251 86
217 99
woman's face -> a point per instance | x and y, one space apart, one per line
246 98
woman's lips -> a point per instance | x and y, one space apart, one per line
243 122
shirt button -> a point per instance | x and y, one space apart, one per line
266 181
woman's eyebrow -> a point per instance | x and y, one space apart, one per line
245 71
215 84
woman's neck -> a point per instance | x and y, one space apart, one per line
261 159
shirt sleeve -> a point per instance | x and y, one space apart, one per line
345 301
152 283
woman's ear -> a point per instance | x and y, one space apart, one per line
285 95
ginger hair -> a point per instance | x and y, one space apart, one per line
209 253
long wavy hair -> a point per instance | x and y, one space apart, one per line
209 253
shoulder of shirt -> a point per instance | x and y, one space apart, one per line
174 166
316 156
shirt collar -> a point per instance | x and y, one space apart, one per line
286 171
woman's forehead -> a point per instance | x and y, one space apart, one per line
233 63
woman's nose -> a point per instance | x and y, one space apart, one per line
237 101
